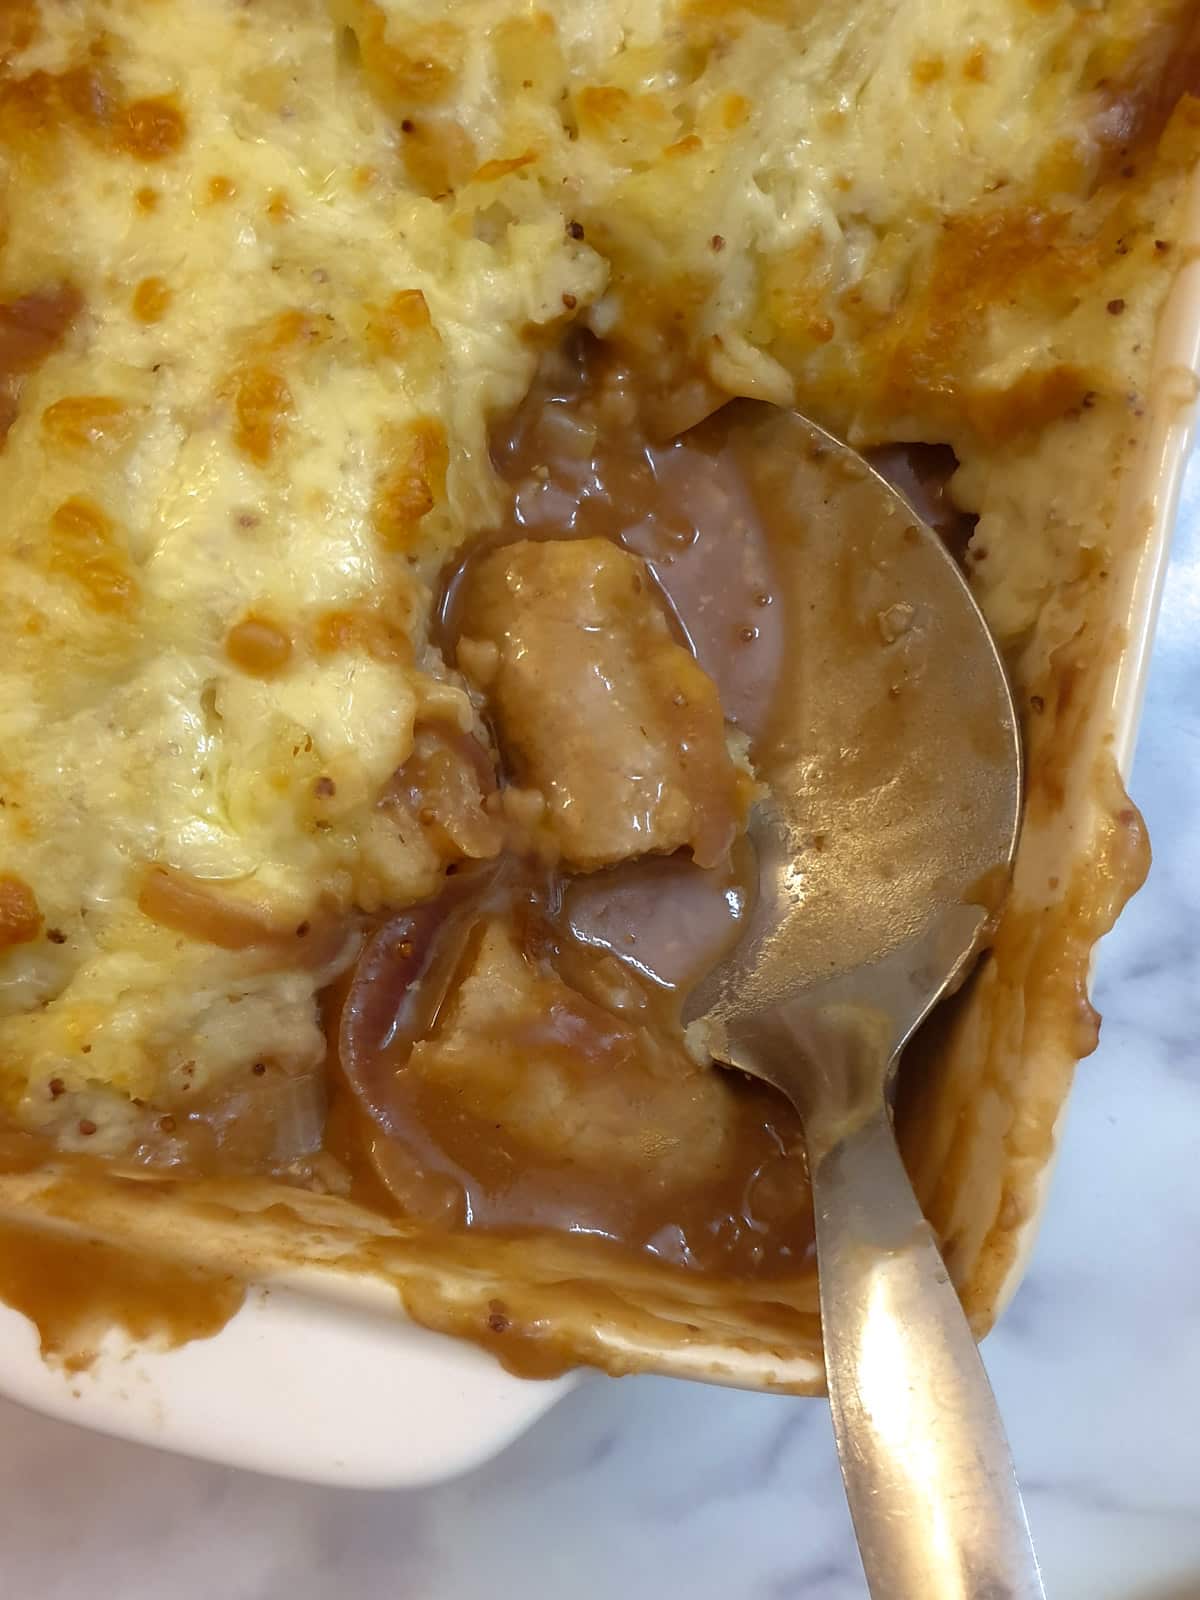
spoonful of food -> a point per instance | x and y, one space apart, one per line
884 842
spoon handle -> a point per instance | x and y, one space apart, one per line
925 1461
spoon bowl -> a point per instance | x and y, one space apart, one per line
884 841
892 771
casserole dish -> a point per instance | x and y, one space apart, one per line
246 1397
978 1117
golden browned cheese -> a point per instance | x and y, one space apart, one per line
31 326
989 181
246 376
258 646
20 917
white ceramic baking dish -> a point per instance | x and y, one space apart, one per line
319 1377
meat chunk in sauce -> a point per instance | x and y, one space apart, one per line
554 1099
549 1070
596 704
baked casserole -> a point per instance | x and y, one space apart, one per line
386 617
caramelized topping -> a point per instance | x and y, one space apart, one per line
151 299
258 646
149 129
262 405
412 482
87 422
85 545
89 98
362 629
20 915
30 328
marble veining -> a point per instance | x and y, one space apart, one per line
647 1488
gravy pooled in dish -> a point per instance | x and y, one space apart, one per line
513 1046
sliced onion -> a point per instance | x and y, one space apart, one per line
257 1122
438 1198
180 902
176 900
445 784
398 986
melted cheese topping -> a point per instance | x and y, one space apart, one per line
225 490
267 274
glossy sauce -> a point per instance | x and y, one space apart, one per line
580 465
76 1289
576 1107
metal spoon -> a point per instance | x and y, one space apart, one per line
884 846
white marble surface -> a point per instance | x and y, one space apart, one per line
646 1488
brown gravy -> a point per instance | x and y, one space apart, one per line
74 1290
646 1150
697 1167
580 465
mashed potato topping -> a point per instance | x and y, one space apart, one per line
268 273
